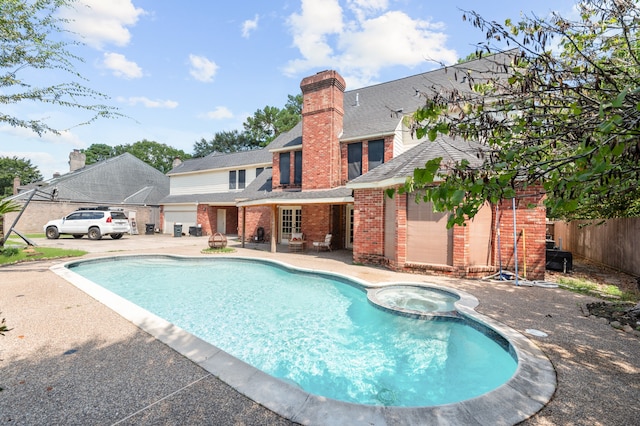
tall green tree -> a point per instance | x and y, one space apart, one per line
267 124
224 143
158 155
12 167
30 46
98 152
563 111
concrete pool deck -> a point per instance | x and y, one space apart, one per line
69 359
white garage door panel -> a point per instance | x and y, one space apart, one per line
185 216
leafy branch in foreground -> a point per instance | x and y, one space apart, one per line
563 122
27 45
3 327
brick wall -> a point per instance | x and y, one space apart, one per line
207 216
275 180
368 245
316 221
322 122
530 234
275 172
368 226
255 217
344 158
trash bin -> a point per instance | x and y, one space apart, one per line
177 230
149 228
195 231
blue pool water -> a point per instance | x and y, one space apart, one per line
315 331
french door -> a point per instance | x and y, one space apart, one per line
349 234
290 221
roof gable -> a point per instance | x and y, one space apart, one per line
223 161
116 180
401 167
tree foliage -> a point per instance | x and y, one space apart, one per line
6 206
224 143
155 154
28 48
98 152
564 115
12 167
267 124
258 130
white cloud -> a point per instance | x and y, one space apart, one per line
65 137
100 22
249 26
362 40
121 66
319 20
220 113
148 103
49 152
202 69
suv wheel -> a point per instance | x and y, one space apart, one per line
52 233
116 236
94 233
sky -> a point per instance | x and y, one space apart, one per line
182 71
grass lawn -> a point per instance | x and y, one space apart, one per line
11 254
581 285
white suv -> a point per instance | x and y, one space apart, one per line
94 222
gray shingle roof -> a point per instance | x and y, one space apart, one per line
221 161
219 198
260 190
122 179
402 166
292 138
378 109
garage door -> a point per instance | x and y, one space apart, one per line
186 215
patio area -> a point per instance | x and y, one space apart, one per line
70 360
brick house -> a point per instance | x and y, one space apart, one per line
330 172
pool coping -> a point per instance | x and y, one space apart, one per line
531 387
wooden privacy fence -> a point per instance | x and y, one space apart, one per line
615 243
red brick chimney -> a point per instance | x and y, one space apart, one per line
322 116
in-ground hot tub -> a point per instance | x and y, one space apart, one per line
412 299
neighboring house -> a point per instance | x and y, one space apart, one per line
330 172
124 182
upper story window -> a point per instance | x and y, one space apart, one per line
375 153
259 170
241 179
237 179
297 168
285 163
354 160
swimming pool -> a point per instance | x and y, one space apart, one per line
315 338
